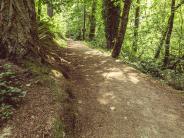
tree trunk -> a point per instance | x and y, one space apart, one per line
111 15
18 28
162 39
93 21
121 34
136 27
169 33
50 11
84 22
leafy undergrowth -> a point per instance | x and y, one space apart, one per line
11 94
172 76
30 99
46 34
96 45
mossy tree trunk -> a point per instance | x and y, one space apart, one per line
162 39
18 28
136 27
168 35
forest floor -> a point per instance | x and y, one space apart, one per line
38 115
109 99
100 98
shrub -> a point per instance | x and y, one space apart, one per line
10 96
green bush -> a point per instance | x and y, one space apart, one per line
10 96
6 112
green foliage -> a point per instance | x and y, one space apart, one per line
69 20
44 31
150 67
6 112
172 77
10 96
52 28
7 75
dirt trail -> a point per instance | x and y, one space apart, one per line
113 100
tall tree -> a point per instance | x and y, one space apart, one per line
93 21
164 33
84 20
18 28
111 15
136 27
162 39
169 33
121 34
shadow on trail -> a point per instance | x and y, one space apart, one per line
108 99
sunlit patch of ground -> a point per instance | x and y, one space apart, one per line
7 131
117 101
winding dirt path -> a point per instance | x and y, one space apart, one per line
112 100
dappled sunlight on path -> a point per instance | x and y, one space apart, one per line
114 100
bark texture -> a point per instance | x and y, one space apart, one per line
168 28
111 15
169 33
136 27
18 28
84 22
121 34
162 39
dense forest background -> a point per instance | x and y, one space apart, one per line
152 31
148 34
